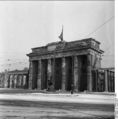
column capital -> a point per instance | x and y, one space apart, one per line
89 59
39 61
75 58
63 58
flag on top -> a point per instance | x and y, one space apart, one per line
61 35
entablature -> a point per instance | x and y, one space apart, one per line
62 48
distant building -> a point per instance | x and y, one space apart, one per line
2 80
59 65
17 79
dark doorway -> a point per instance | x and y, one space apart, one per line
57 73
94 81
27 81
69 73
44 74
35 74
83 81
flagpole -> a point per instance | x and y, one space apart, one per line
61 35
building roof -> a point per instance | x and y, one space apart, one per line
60 46
18 72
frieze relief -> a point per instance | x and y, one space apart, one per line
61 54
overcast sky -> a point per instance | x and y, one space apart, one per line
28 24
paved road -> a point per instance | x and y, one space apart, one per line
18 108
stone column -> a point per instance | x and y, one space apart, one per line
75 73
106 81
79 71
21 80
8 81
50 81
30 74
11 81
15 79
39 75
63 74
109 80
89 73
53 61
111 73
49 69
96 80
24 81
113 81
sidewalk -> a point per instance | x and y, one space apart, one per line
66 98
